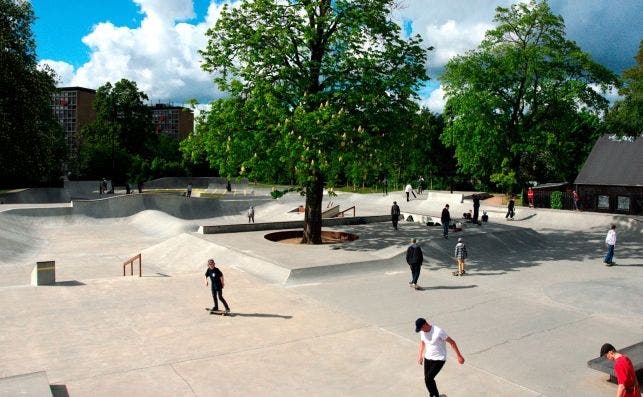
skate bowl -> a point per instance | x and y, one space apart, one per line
295 236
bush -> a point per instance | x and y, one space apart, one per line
556 200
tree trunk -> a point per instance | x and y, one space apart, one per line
313 214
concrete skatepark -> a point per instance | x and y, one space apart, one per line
329 320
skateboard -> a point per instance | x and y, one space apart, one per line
219 312
458 274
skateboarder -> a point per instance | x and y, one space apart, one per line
216 280
433 352
188 190
610 241
460 256
408 190
414 258
445 219
395 214
628 385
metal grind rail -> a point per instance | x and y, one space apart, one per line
130 262
341 213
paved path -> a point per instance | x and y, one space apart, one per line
536 305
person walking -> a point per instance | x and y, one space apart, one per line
530 197
395 214
385 186
188 190
414 258
610 241
433 353
421 185
408 190
476 208
445 219
460 256
215 276
628 385
251 214
510 208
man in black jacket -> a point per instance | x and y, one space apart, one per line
395 214
445 219
414 258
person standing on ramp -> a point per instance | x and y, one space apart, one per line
395 214
215 276
414 258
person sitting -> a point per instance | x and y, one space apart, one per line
485 217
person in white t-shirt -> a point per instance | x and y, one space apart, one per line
433 352
610 241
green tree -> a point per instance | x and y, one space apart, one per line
123 128
626 116
317 91
32 147
515 104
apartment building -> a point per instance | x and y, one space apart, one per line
175 121
74 108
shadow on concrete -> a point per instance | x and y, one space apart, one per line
447 287
156 275
69 283
499 248
261 315
59 391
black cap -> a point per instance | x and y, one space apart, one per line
419 323
606 348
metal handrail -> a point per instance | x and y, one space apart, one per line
130 261
341 213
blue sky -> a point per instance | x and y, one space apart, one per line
155 42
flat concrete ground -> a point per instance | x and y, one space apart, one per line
536 305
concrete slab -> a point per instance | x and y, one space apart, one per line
27 385
324 320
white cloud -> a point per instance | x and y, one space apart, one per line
436 101
160 55
64 71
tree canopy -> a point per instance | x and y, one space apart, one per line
32 146
319 89
520 106
626 116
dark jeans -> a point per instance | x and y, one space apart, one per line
431 369
475 214
445 229
219 292
394 219
609 256
510 213
415 273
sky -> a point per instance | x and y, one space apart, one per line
156 42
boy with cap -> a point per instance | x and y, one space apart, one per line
460 256
628 385
433 352
217 283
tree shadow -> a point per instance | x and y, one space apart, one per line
499 248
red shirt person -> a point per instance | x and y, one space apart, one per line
628 385
530 196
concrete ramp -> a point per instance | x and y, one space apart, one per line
187 253
35 196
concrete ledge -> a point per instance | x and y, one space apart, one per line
253 227
44 273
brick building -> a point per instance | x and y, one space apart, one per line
74 108
175 121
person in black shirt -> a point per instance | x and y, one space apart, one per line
445 219
395 214
414 258
216 280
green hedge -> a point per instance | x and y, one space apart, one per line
557 200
